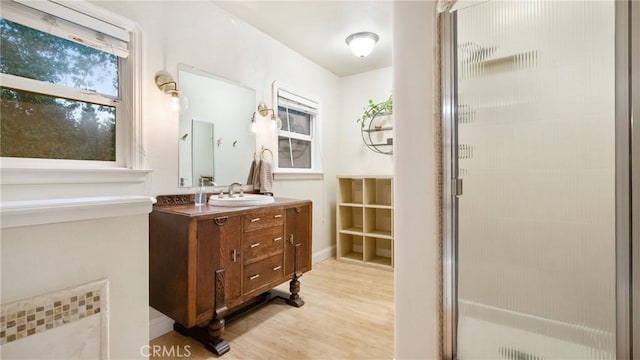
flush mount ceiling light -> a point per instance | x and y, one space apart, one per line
166 83
362 43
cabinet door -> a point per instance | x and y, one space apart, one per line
218 247
298 234
169 266
231 257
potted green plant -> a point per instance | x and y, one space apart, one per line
372 109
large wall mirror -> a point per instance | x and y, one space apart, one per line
216 143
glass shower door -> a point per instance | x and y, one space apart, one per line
536 151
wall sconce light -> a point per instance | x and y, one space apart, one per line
276 123
362 43
167 84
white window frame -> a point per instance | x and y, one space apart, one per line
288 92
129 165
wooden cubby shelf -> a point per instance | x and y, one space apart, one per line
350 248
365 220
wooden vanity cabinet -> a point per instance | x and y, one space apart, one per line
205 263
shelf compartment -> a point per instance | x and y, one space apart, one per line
386 128
382 234
359 205
378 191
351 219
378 206
378 251
378 221
388 143
350 190
350 247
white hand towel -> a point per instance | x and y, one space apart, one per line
266 177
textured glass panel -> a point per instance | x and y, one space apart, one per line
294 153
41 126
33 54
536 250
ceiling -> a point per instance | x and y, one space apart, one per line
317 29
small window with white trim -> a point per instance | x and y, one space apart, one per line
298 144
65 80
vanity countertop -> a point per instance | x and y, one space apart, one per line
192 210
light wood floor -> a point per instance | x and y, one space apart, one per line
348 314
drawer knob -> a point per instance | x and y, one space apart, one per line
278 238
255 220
277 216
254 245
253 277
277 268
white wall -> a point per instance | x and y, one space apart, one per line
417 330
19 192
204 36
355 92
201 35
45 258
208 38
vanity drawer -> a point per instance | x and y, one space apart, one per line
262 273
263 243
263 219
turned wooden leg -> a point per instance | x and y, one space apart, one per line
294 285
216 326
216 344
294 288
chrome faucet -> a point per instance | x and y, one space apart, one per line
239 186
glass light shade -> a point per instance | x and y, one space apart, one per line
177 101
276 123
362 43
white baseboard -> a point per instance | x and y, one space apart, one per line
160 326
323 254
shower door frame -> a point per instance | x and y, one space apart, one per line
634 96
627 133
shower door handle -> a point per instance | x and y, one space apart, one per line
456 187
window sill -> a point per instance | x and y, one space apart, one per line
38 212
298 176
25 176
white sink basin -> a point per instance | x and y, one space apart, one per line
246 200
